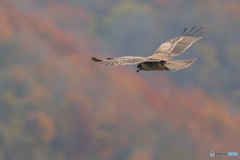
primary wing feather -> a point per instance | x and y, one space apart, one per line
177 45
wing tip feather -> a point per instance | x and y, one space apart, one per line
193 32
96 60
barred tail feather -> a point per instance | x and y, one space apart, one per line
175 65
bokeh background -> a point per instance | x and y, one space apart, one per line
57 104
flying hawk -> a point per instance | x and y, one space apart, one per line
162 58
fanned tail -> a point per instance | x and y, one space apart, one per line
175 65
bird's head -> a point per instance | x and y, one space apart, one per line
139 67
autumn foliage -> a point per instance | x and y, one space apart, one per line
56 103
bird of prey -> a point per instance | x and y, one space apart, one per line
162 57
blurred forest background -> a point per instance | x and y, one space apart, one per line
57 104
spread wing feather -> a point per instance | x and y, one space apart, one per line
130 60
177 45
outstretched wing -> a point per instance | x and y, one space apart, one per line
124 60
177 45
